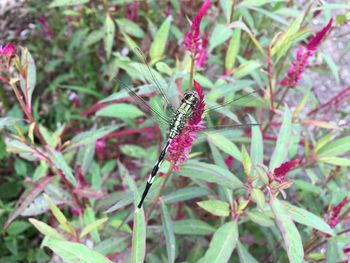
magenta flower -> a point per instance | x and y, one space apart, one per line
133 10
180 147
334 214
48 32
279 174
7 50
303 54
203 53
193 41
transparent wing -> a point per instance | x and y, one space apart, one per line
150 75
163 119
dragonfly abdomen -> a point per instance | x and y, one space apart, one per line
154 172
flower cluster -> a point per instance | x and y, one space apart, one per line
193 42
302 58
279 174
333 219
7 50
203 53
180 147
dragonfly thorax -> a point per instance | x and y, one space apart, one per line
183 113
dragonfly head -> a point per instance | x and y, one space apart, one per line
191 97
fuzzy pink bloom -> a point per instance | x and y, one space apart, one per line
8 50
302 55
279 174
133 10
203 53
193 41
334 214
180 147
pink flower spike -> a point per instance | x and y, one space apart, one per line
180 147
193 41
203 53
302 56
280 173
316 40
334 214
8 50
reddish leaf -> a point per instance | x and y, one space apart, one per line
27 197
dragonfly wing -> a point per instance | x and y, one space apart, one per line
154 77
160 117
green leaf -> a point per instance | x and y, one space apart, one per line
257 146
57 3
246 68
112 245
7 122
215 207
233 49
244 255
260 218
282 145
335 148
210 173
94 225
192 227
121 110
225 145
185 194
307 218
87 137
57 158
28 84
158 45
332 66
288 230
247 163
169 233
109 31
59 216
139 237
258 2
130 27
74 252
332 251
220 34
285 41
46 229
258 197
338 161
222 244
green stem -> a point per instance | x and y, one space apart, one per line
191 74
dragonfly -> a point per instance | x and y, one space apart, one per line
180 115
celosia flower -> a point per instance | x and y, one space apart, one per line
193 41
48 32
334 214
133 10
279 174
229 161
8 50
302 58
203 53
180 147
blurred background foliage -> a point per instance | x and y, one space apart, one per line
105 145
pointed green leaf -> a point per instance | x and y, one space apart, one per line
288 230
220 34
59 216
74 252
222 244
169 233
57 3
215 207
244 255
158 45
233 49
225 145
109 31
28 84
192 227
139 237
46 229
94 225
282 145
